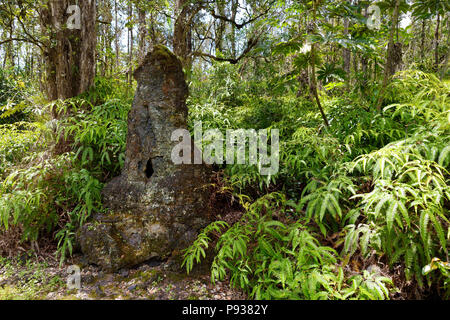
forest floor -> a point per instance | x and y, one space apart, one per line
34 279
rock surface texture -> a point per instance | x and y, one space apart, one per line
154 208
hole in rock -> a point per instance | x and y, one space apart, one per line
149 169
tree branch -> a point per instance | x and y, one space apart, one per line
16 39
243 24
103 22
31 39
250 44
237 25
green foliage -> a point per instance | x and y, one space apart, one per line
405 215
373 184
32 280
53 195
274 260
222 85
12 96
48 194
417 98
195 252
444 270
378 181
16 140
406 206
106 89
325 202
98 133
330 72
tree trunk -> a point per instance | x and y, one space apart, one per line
364 63
153 38
219 27
182 45
110 36
445 65
117 34
422 42
355 62
142 34
346 54
389 55
313 69
9 55
234 7
436 44
70 55
104 12
130 45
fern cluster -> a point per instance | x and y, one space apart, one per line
98 133
49 194
377 181
275 260
405 215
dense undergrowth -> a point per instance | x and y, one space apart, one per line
371 187
52 171
351 202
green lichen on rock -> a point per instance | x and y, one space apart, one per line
162 58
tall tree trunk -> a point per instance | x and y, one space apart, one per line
70 54
182 45
346 54
117 34
153 36
234 7
104 11
355 64
422 42
28 60
445 65
142 34
4 57
364 62
389 55
130 45
40 73
313 68
109 34
436 44
219 27
355 54
9 56
102 39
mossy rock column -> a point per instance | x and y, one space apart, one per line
155 208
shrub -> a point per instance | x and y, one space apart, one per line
275 260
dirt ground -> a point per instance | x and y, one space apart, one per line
153 280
